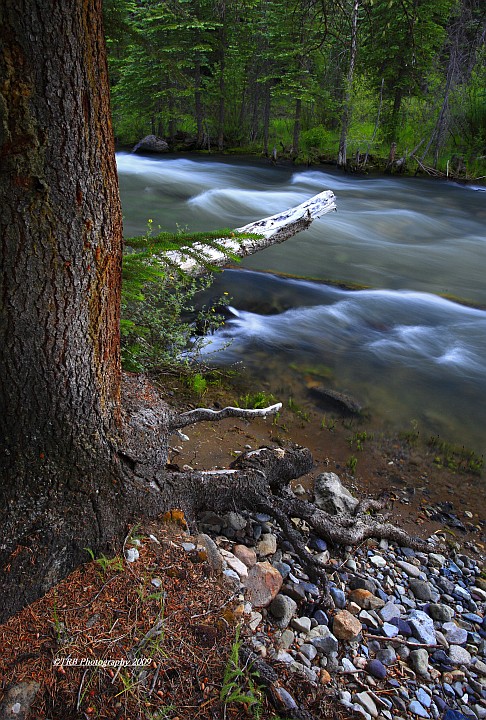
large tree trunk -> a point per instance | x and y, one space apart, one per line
60 260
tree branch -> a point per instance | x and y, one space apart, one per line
206 414
271 230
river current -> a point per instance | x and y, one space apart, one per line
410 344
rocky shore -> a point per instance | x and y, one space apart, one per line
406 633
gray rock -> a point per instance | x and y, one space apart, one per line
18 699
286 639
152 143
302 624
459 655
339 597
309 651
215 559
422 627
389 611
440 612
332 496
480 668
417 709
326 644
454 634
389 630
348 666
378 561
377 668
410 570
387 656
235 521
424 698
420 661
283 608
421 589
286 698
367 702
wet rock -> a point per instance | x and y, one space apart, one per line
152 144
346 626
262 584
331 495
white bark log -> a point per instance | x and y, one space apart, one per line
272 230
204 414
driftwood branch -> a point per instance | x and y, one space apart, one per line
270 231
204 414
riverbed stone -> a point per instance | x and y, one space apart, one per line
420 660
331 495
366 701
262 584
301 624
459 655
376 668
421 589
346 626
282 608
267 545
246 554
454 634
411 570
440 612
422 627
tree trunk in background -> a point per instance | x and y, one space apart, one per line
198 106
297 124
348 93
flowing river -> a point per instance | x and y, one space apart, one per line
405 343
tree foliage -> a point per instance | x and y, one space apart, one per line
261 74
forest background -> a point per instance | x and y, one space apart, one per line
349 81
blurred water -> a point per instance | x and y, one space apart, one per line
402 350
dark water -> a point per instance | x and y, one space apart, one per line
405 352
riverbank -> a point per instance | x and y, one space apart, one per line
153 632
424 496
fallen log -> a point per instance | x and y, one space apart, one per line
265 232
